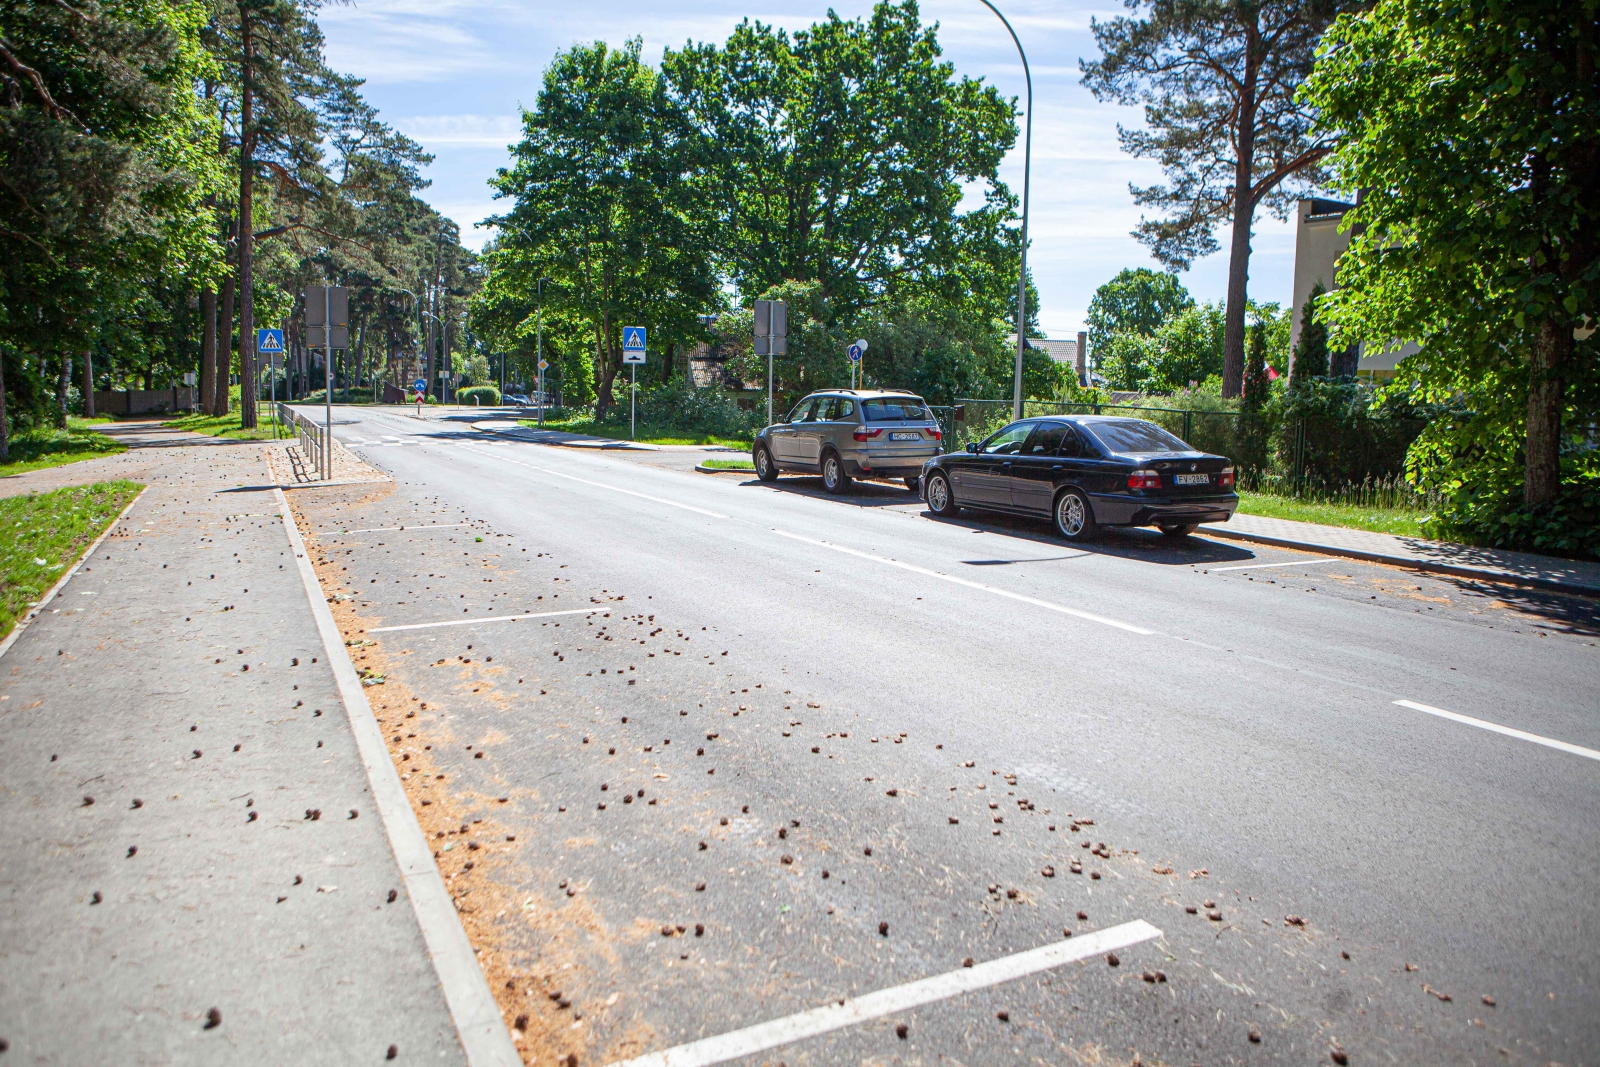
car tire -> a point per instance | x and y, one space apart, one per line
1179 532
1073 517
834 478
941 501
766 469
914 482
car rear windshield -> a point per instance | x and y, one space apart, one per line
890 408
1136 435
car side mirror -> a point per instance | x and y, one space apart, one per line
974 447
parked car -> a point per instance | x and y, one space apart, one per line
1085 472
517 398
850 433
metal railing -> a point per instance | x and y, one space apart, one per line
316 445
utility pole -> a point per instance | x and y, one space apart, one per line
247 149
1022 271
539 348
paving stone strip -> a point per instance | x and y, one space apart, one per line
194 869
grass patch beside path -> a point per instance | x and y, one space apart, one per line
36 449
42 534
728 465
650 435
1397 521
228 426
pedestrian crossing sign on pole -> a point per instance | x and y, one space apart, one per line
633 344
269 342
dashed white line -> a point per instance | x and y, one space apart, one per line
1494 727
598 485
1047 605
496 618
1260 566
848 1012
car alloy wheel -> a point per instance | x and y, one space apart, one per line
1074 520
939 495
765 469
834 479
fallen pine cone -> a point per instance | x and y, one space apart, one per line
1294 920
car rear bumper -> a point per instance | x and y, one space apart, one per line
1145 511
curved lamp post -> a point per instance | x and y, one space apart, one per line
1022 274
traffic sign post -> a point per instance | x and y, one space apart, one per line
633 338
269 343
855 352
772 338
327 324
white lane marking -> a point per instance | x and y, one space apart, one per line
1258 566
483 1033
497 618
1494 727
836 1016
391 529
598 485
1047 605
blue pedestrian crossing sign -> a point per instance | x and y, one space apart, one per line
633 344
269 342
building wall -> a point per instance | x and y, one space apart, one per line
1318 244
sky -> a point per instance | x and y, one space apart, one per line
454 74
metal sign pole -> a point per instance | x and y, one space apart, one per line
769 379
327 382
633 399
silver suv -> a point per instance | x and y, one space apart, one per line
851 433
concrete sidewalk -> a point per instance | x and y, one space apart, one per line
1440 557
186 820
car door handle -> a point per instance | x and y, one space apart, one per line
1007 464
1056 467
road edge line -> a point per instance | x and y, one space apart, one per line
1506 731
750 1040
479 1027
50 594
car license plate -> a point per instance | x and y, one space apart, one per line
912 436
1191 479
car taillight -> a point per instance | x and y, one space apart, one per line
1144 480
864 434
933 432
1225 479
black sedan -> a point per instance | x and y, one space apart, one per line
1085 472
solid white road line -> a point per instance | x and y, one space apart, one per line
598 485
1494 727
391 529
1047 605
1259 566
837 1015
482 1031
497 618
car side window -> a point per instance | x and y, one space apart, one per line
826 406
1045 439
1071 444
802 411
847 409
1008 440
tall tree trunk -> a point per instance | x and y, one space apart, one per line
88 384
1541 478
208 348
1244 210
247 150
219 405
5 425
63 380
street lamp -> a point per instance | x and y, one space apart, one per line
1022 273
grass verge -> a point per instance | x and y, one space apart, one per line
728 465
1400 521
650 435
37 449
228 426
45 533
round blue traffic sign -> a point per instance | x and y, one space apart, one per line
419 385
855 353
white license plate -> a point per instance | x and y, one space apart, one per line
1191 479
905 437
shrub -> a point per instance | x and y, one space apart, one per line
692 411
482 395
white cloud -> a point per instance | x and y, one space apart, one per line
475 131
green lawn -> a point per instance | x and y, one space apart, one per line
45 533
36 449
729 465
228 425
1406 523
650 435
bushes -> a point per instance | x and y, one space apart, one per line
693 412
480 395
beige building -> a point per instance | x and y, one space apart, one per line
1318 244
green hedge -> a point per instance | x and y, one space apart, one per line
484 395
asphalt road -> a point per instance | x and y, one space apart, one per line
791 679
